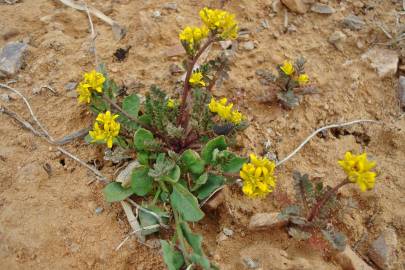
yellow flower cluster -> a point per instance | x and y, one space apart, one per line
288 68
358 169
192 36
258 177
196 79
105 128
170 103
225 111
220 22
92 81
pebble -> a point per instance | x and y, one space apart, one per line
265 221
383 60
402 92
227 232
337 39
156 14
72 94
297 6
12 58
70 86
382 250
248 46
250 263
353 22
172 6
4 97
99 210
322 9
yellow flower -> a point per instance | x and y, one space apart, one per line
170 103
220 22
95 80
196 79
303 79
83 92
287 68
358 170
192 36
92 81
105 128
258 177
225 111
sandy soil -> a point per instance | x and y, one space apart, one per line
49 222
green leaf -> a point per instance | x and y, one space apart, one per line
232 163
141 182
195 241
145 119
173 259
213 182
88 138
131 105
185 203
174 175
146 219
97 104
208 150
142 139
201 180
192 161
114 192
143 157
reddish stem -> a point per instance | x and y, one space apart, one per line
318 206
183 114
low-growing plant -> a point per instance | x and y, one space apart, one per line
290 83
316 203
181 143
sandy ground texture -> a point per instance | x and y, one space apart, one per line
51 222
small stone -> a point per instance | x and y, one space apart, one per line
12 58
99 210
322 9
172 6
402 92
227 232
383 60
250 263
216 200
221 237
156 14
4 97
72 94
337 39
248 46
382 250
297 6
349 260
265 221
353 22
226 44
70 86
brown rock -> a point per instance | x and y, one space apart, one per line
297 6
265 221
216 200
349 260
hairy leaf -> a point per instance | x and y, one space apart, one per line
195 241
185 203
208 150
192 161
131 105
141 182
213 182
142 139
114 192
173 258
337 239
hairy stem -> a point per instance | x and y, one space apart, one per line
180 236
318 206
182 119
